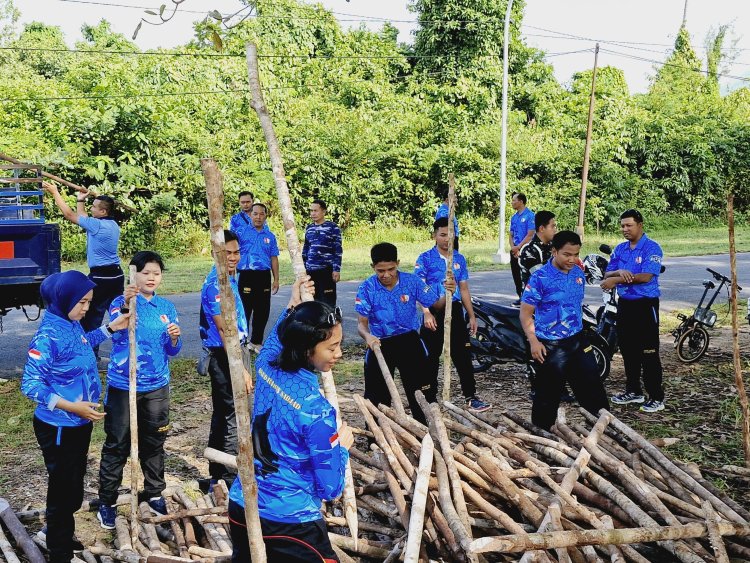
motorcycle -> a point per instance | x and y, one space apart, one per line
605 318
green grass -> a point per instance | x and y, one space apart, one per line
186 274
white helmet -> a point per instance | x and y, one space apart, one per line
594 266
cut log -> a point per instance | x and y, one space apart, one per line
17 530
419 501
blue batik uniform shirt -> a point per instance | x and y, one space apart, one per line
558 298
520 225
322 246
61 364
211 305
430 268
301 462
154 346
393 312
645 258
102 238
257 248
443 211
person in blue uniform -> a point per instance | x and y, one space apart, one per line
522 228
634 269
388 306
222 435
102 240
431 268
242 218
322 253
259 262
61 377
300 453
552 320
158 339
444 211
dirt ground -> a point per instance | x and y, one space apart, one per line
702 411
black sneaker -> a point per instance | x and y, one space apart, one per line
77 545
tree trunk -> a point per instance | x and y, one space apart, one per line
132 405
449 298
419 501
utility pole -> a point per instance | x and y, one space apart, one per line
684 14
587 150
503 257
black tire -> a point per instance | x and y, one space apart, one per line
480 360
603 362
692 344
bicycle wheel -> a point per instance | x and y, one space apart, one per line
692 344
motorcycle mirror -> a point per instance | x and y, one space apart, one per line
605 248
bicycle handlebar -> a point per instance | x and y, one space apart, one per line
721 277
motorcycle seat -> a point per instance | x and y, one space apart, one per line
503 311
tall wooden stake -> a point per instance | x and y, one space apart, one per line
132 405
449 298
290 230
587 150
242 406
738 381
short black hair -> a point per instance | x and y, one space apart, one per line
520 197
305 326
633 213
108 204
565 237
244 193
229 236
263 205
140 259
384 252
320 202
542 219
439 223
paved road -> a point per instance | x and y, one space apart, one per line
680 288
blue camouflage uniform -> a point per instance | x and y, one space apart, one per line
211 305
393 318
300 461
443 211
322 246
430 268
257 248
520 225
154 345
557 297
61 364
645 258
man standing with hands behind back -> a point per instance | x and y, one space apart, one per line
634 269
322 253
521 231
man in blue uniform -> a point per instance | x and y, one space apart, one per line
322 253
444 211
259 261
102 240
388 317
242 219
223 433
431 268
634 269
521 231
551 318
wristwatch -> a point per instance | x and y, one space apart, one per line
109 329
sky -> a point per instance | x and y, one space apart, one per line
634 34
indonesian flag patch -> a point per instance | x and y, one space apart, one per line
164 319
35 354
334 440
404 298
218 297
358 301
116 311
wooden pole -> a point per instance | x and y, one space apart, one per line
449 298
396 402
132 405
419 501
290 231
587 149
242 406
738 381
19 533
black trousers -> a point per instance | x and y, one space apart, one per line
304 542
460 353
255 292
222 435
638 336
153 425
515 270
325 287
571 360
64 449
110 282
405 352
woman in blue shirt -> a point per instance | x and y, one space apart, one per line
300 454
158 338
61 376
